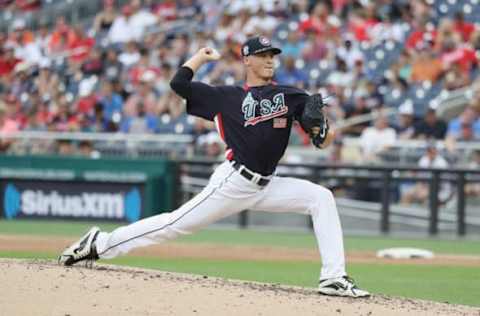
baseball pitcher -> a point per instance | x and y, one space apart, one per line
255 122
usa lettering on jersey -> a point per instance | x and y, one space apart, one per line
268 108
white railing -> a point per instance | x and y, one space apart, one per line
122 144
108 137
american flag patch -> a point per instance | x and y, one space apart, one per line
279 122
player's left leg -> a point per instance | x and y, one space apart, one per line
304 197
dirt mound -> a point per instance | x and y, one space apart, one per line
39 287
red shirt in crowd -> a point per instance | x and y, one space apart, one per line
418 36
28 5
465 29
360 29
79 48
166 11
7 65
465 57
86 104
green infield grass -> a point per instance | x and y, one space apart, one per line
250 237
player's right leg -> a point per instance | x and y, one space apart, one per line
226 194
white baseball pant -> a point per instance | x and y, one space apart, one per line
228 193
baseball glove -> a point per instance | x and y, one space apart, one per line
314 121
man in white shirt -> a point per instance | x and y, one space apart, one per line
419 193
377 138
131 24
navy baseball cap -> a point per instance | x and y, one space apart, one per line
258 44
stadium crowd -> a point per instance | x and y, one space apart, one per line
111 73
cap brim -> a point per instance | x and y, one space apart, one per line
274 50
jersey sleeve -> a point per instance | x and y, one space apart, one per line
204 100
297 98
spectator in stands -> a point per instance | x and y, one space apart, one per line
21 82
455 78
350 54
121 30
224 29
142 66
473 189
142 95
65 147
28 5
130 56
336 152
80 45
166 73
361 22
387 30
319 21
65 119
377 139
431 127
93 63
8 61
446 35
238 24
315 48
173 119
357 108
228 66
105 18
200 39
42 38
291 75
141 122
166 11
85 149
60 38
35 121
419 193
141 19
261 23
210 145
425 65
23 40
341 76
179 49
112 67
111 102
294 45
454 53
405 127
469 120
7 125
464 28
47 81
189 10
423 32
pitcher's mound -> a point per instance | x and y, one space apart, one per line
40 287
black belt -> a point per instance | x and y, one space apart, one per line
249 175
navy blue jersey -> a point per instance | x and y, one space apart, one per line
254 122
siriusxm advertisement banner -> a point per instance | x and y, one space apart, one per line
69 199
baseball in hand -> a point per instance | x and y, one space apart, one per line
210 53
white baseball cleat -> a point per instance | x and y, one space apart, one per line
83 249
343 286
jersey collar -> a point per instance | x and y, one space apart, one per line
246 87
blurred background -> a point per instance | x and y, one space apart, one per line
91 129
